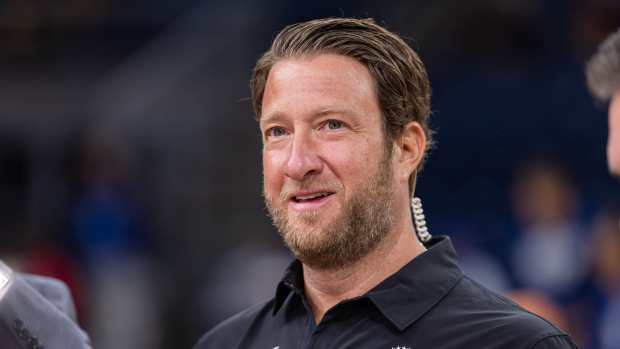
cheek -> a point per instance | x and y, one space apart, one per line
273 171
614 123
614 130
613 141
345 163
352 163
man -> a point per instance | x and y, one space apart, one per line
37 313
343 106
603 75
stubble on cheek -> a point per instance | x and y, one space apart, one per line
296 229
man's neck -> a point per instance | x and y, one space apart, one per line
325 288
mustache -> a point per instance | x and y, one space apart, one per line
291 187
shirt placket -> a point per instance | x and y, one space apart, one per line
316 334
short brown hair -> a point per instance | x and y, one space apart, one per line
402 85
603 69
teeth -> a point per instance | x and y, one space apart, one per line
310 196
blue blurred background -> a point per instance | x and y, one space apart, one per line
130 161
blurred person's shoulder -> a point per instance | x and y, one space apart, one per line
38 312
231 331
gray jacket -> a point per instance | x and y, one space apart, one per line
38 313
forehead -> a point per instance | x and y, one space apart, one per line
322 81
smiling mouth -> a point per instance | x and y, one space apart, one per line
313 197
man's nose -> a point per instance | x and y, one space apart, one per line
303 158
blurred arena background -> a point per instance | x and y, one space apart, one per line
130 160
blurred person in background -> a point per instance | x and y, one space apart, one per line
603 78
343 107
110 232
550 252
219 301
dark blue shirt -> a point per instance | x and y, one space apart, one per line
429 303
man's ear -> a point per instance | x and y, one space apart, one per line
411 146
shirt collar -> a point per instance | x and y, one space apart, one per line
405 296
411 292
291 282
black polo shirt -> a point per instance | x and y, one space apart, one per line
429 303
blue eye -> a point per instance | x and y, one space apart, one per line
334 124
276 132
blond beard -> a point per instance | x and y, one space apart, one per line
364 222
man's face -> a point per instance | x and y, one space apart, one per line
327 172
613 140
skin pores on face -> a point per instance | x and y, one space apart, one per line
327 173
613 140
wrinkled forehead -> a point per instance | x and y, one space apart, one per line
330 68
319 84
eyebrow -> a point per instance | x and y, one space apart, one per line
270 118
330 110
273 117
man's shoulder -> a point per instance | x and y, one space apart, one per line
493 306
496 318
229 332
